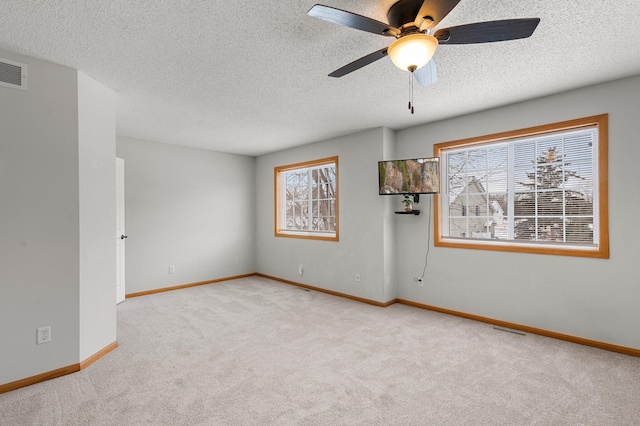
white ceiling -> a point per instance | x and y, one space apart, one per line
250 77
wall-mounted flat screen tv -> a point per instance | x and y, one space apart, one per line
416 176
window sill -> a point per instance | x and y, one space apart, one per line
324 236
533 248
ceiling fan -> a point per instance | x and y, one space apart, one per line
411 23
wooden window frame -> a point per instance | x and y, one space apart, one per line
600 251
278 230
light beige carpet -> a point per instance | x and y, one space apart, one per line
259 352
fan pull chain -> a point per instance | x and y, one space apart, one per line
411 69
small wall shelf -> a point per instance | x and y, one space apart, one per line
416 212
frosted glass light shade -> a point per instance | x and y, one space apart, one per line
414 50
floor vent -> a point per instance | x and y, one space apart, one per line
510 331
13 74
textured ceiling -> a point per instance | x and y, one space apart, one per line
250 77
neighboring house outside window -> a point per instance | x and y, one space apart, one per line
306 200
471 198
536 190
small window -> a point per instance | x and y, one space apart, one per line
306 200
536 190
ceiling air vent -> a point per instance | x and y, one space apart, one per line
13 74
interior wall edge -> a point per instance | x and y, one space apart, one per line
102 352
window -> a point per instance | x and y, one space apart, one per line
306 200
536 190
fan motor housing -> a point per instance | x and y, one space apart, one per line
403 12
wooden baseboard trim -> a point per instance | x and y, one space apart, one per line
546 333
93 358
331 292
39 378
554 335
560 336
179 287
8 387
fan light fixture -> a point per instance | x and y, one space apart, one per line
412 51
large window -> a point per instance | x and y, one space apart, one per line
536 190
306 200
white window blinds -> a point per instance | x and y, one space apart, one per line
539 190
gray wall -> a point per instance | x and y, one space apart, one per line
41 213
187 207
97 151
590 298
328 264
389 239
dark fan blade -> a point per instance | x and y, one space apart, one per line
434 11
426 75
359 63
487 32
352 20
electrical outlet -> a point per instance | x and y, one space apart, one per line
357 277
172 269
419 281
300 269
43 335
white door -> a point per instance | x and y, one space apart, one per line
120 231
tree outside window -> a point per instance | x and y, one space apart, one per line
307 200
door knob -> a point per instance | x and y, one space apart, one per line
122 237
